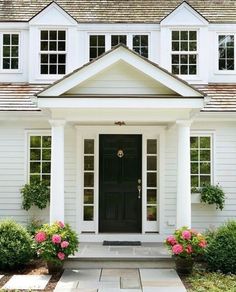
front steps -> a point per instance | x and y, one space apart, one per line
112 263
95 255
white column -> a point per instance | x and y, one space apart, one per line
57 171
183 217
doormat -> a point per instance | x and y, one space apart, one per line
121 243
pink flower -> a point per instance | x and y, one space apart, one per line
189 249
40 236
64 244
56 238
202 243
61 224
177 249
171 240
186 234
61 256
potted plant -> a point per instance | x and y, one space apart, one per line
185 245
213 195
54 243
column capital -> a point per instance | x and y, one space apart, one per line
57 123
184 123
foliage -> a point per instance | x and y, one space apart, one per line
186 243
221 251
15 245
203 281
213 195
54 243
35 194
34 226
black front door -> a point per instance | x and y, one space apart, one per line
120 169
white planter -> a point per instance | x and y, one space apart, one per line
195 198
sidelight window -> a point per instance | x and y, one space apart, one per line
88 190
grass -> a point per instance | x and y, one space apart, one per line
201 281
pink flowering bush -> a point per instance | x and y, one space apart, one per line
54 243
186 243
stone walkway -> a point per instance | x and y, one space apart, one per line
103 280
120 280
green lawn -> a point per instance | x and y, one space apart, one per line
201 281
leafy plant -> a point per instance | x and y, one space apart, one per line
186 243
54 243
213 195
35 194
34 226
221 251
15 245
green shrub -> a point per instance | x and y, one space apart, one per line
221 251
15 245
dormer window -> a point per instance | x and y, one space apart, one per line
118 39
140 45
10 51
184 52
53 52
226 52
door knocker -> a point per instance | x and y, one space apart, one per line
120 153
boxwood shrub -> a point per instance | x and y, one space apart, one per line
221 250
15 245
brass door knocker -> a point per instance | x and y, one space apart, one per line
120 153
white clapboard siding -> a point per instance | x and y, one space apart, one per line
224 173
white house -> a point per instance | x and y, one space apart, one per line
122 107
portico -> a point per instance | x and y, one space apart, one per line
164 109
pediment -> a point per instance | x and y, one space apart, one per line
120 79
120 72
52 14
184 15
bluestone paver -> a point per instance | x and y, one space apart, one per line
27 282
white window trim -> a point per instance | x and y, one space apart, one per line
51 76
10 71
191 76
224 72
198 133
28 134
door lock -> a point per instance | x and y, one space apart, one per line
139 191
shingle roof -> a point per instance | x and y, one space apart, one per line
222 97
132 11
18 96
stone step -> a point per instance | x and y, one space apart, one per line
99 263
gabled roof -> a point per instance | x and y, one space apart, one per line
113 11
110 58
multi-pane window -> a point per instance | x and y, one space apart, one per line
140 44
88 180
39 158
96 46
53 52
201 161
226 52
184 52
118 39
152 197
10 51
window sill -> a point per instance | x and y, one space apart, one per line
225 72
2 71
